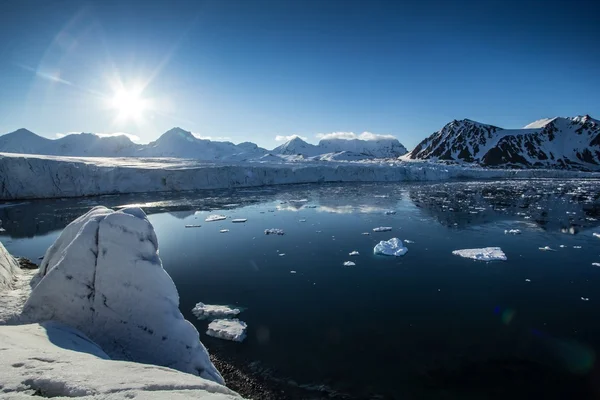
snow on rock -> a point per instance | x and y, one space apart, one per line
354 253
104 277
207 311
215 217
228 329
54 360
382 229
512 231
392 247
8 269
349 264
483 254
274 231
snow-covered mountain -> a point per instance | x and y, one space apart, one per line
572 142
349 148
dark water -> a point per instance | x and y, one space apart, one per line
426 325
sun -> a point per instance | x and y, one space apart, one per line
129 104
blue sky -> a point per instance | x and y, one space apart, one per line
254 70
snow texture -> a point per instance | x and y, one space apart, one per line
483 254
274 231
228 329
54 360
29 176
392 247
103 276
382 229
215 217
207 311
9 269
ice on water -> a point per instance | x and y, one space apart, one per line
208 311
274 231
382 229
215 217
228 329
482 254
349 264
392 247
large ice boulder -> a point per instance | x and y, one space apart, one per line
8 268
104 277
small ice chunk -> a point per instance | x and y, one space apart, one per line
596 234
596 264
192 226
354 253
207 311
392 247
215 217
228 329
292 272
366 233
382 229
512 231
483 254
562 246
576 247
281 254
527 280
408 241
390 212
302 220
224 230
349 264
239 220
585 298
274 231
546 248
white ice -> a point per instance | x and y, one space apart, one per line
354 253
274 231
103 276
483 254
382 229
215 217
239 220
208 311
596 264
193 226
596 234
512 231
224 230
349 264
546 248
392 247
228 329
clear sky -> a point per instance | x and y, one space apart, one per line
254 70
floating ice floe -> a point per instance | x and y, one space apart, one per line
281 254
562 246
349 264
215 217
546 248
224 230
585 298
354 253
483 254
527 280
577 247
408 241
392 247
390 212
596 264
366 233
192 226
207 311
596 234
382 229
239 220
228 329
274 231
512 231
302 220
292 272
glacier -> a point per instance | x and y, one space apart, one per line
34 176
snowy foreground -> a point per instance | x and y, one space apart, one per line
100 295
34 176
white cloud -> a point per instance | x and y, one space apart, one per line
132 137
212 138
281 138
352 135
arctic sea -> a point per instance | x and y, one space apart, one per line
427 324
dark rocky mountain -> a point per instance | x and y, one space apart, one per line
570 143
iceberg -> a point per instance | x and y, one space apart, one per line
103 277
382 229
228 329
392 247
349 264
354 253
274 231
224 230
512 231
596 234
207 311
215 217
483 254
9 268
239 220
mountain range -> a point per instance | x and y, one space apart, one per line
560 142
567 143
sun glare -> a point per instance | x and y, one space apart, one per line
129 104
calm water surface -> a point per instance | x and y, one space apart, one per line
429 324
